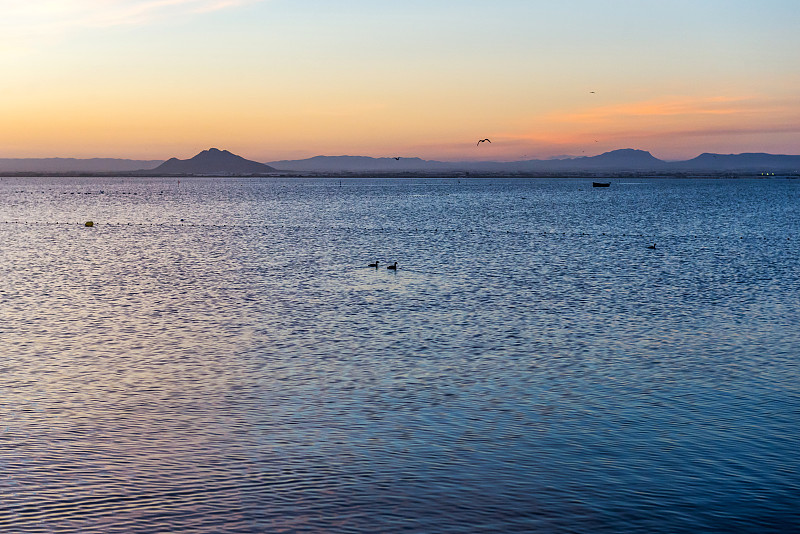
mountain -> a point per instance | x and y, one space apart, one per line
222 162
756 162
73 165
212 161
625 159
359 164
622 160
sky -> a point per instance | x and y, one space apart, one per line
289 79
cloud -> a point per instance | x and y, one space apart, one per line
676 124
666 107
721 132
24 23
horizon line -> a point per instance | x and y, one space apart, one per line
448 160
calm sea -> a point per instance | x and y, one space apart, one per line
214 355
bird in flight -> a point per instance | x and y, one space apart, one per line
482 140
397 158
591 92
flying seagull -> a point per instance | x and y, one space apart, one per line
397 158
482 140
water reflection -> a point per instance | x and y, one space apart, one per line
216 356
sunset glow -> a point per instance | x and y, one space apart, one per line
278 79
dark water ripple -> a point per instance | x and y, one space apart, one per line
215 356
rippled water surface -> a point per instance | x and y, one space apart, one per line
214 355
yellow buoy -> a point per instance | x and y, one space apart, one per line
89 223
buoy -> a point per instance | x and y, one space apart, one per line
88 223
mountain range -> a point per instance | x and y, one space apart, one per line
623 160
75 165
222 162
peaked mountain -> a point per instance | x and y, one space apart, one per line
624 158
212 161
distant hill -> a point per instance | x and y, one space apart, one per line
628 159
741 162
74 165
221 162
212 161
622 160
360 164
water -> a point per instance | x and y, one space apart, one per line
215 356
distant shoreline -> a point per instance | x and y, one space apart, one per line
216 162
345 174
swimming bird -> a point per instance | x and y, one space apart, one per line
373 265
482 140
392 267
652 247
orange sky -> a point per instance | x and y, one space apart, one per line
276 79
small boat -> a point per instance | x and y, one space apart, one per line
601 184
